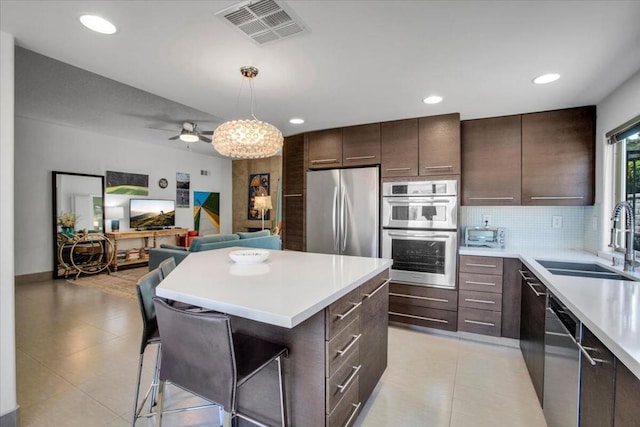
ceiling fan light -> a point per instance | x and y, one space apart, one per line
189 136
247 139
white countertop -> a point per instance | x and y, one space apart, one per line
285 290
609 308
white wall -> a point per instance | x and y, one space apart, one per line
620 106
43 147
7 295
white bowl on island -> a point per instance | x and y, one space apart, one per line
249 256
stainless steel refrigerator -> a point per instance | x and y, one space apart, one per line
343 211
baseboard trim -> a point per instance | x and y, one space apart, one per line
469 336
10 419
33 277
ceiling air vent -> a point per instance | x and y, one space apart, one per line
264 21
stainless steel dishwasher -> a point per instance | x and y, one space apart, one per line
561 365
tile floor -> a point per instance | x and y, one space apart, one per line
77 359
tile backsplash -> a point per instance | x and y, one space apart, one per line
532 226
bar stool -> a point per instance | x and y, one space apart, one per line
218 361
146 291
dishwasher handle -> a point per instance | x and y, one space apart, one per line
583 350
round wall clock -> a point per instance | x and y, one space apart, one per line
163 183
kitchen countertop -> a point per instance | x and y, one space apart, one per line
285 290
609 308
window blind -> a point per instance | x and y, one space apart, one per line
623 131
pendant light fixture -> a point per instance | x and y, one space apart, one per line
247 139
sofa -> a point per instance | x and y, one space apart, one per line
258 239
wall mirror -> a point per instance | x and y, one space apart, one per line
80 195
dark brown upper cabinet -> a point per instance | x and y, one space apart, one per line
325 149
293 193
558 157
361 145
399 148
439 144
491 161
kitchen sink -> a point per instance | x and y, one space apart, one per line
581 269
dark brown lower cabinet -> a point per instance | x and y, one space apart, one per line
533 309
596 383
511 297
627 398
424 306
375 327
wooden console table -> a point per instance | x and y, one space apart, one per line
116 236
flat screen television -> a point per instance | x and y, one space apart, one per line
151 213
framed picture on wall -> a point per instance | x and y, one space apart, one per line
258 186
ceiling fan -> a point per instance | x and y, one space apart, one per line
190 133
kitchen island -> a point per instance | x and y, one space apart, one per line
324 308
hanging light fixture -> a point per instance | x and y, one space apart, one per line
247 139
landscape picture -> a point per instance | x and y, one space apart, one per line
206 212
132 184
147 213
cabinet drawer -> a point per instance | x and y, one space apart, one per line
480 282
340 348
371 285
481 264
480 300
423 316
338 384
341 313
480 321
442 299
361 145
347 410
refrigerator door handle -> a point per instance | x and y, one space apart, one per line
343 220
334 214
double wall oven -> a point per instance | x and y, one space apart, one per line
419 231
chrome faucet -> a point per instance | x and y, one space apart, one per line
629 257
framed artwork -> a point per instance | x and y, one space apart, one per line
182 189
258 186
206 212
131 184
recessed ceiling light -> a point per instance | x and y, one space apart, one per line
296 121
98 24
433 99
546 78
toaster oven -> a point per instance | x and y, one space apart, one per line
486 237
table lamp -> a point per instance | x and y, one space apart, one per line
262 203
115 213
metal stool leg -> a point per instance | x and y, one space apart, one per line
283 397
156 377
135 400
160 402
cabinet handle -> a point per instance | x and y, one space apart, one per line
351 310
360 157
343 386
481 301
417 297
377 289
592 360
398 169
490 198
430 319
531 285
292 195
324 161
482 265
438 167
527 277
556 197
471 282
477 322
356 406
351 344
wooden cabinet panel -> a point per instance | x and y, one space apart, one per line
596 383
293 192
480 300
342 312
423 316
293 219
374 319
558 157
342 346
532 331
339 382
483 322
480 282
481 264
491 161
361 145
424 296
293 165
439 144
399 148
626 410
347 410
325 149
511 298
